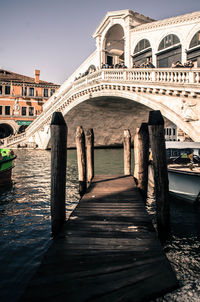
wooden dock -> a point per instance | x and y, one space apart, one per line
107 251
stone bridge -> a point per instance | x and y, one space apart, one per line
175 92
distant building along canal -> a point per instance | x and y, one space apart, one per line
21 100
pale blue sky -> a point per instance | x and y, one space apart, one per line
55 35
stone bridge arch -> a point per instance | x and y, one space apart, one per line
150 101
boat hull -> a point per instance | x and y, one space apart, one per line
5 177
184 185
7 158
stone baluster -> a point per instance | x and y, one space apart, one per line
153 75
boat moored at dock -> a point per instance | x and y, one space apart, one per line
184 183
184 170
6 165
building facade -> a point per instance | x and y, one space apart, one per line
21 100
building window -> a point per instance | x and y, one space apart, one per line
143 44
1 89
24 91
168 41
7 89
45 94
7 110
31 91
195 40
0 110
31 111
52 92
23 110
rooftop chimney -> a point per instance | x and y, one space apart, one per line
37 76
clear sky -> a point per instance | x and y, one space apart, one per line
55 35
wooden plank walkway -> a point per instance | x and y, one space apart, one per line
107 251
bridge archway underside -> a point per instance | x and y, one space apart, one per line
178 101
108 116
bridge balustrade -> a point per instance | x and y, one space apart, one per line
162 75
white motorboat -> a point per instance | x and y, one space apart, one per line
184 183
184 170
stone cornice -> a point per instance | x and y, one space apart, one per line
121 14
109 15
41 85
170 21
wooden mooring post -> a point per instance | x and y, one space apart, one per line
141 151
127 152
58 171
81 159
157 142
90 154
136 156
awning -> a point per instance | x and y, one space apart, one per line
24 123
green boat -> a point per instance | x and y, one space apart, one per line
7 157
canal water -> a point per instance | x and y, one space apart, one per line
25 224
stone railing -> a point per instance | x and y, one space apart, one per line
14 139
154 77
159 75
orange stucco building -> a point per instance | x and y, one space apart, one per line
21 100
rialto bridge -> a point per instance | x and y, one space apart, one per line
124 94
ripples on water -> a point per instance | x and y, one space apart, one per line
183 249
25 218
25 224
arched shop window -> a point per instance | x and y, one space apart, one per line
168 41
22 128
143 44
5 130
193 53
169 51
142 52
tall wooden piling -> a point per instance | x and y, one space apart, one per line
90 154
58 171
81 159
142 146
157 142
127 152
136 156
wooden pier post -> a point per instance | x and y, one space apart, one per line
142 158
90 154
136 156
81 159
127 152
58 171
157 142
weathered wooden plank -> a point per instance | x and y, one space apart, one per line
107 251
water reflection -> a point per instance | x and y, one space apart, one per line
25 218
182 249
